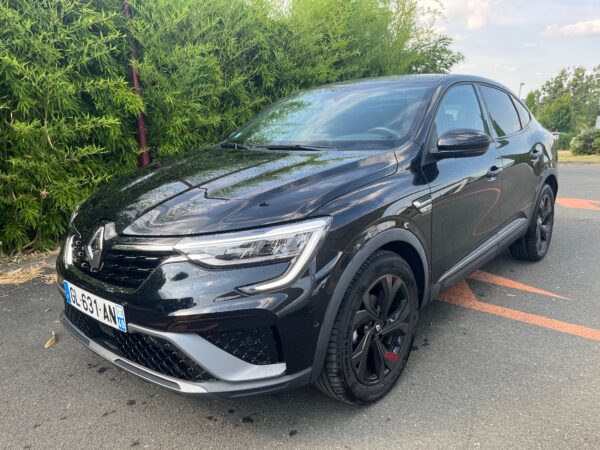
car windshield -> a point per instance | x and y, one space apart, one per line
343 117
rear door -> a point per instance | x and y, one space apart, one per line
520 154
465 191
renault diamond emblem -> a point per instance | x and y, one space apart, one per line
94 247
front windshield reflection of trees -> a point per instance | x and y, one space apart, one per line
340 117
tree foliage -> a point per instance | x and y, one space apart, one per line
558 115
568 102
67 111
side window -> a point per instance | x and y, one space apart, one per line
459 109
503 114
523 113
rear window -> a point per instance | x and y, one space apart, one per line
523 113
503 114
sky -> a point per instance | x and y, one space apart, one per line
527 41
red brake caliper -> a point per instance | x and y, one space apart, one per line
391 356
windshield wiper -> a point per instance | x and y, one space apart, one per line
297 147
233 145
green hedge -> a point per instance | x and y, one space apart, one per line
587 142
67 112
564 141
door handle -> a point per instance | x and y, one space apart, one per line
494 172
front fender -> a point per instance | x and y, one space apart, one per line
349 264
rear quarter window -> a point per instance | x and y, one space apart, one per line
523 113
501 109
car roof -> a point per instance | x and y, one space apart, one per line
433 80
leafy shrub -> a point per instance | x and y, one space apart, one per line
67 111
206 69
587 142
564 141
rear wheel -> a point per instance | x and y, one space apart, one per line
534 245
373 332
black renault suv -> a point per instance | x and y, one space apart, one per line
301 249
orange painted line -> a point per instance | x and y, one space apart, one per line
579 203
462 295
505 282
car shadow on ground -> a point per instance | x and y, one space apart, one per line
295 406
436 320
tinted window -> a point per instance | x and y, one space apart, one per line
523 113
502 111
340 116
459 109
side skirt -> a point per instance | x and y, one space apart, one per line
481 255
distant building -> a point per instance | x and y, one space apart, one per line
597 122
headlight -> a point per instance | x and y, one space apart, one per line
67 251
296 243
74 214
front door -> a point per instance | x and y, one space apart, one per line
465 191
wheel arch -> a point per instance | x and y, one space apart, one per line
413 258
553 182
397 240
549 176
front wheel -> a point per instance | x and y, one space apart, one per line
373 332
534 245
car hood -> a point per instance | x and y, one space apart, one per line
217 189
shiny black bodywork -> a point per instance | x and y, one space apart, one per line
370 196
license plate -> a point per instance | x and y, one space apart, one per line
102 310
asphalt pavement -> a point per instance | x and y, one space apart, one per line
509 358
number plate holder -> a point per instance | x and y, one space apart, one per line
104 311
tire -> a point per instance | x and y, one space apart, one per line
373 333
534 245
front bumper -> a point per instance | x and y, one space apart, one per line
236 344
234 377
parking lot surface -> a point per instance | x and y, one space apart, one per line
508 358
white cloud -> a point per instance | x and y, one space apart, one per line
505 67
459 37
463 67
581 28
479 11
476 13
508 46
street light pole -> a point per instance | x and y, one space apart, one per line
520 86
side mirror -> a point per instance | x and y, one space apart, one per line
462 142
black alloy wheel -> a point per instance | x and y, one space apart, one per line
380 328
544 223
373 332
536 242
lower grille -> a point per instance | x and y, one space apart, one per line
253 345
89 326
151 352
160 356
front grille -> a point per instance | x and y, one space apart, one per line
254 345
119 267
151 352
